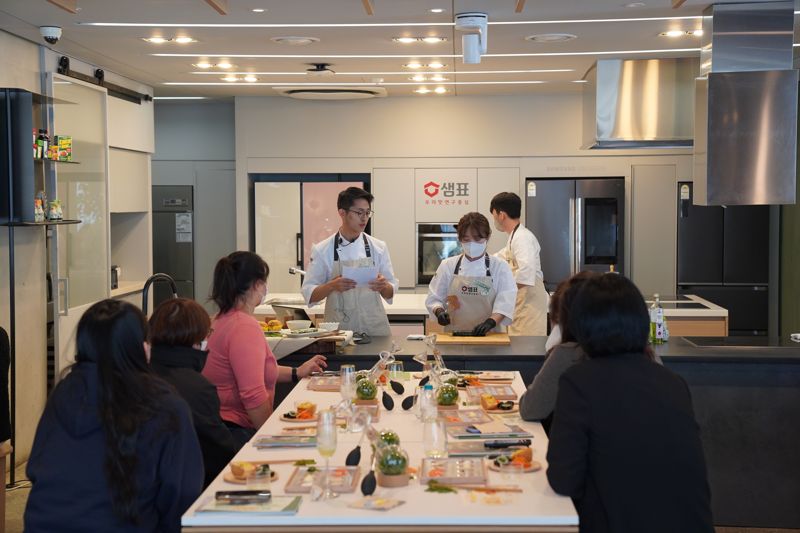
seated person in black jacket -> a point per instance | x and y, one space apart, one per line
115 449
178 329
624 443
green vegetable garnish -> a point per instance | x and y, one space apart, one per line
311 469
435 486
305 462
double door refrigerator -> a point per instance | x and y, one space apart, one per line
723 256
579 223
173 239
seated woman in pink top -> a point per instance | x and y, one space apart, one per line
240 363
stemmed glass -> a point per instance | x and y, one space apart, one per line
326 446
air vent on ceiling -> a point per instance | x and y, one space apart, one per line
332 93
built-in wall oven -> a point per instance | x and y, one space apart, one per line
435 243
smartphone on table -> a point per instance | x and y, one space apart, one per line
241 497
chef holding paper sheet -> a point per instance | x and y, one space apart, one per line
352 270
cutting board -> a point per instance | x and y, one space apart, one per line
491 339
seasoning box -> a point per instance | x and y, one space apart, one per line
64 146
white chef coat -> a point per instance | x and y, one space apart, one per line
525 249
502 280
320 269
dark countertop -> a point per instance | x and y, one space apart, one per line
677 349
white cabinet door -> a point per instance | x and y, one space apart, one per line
80 253
393 222
278 232
128 181
492 181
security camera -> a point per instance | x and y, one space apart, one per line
51 34
474 41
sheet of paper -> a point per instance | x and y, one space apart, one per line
361 275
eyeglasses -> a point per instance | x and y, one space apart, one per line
362 214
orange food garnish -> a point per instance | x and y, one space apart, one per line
411 470
339 472
436 472
452 418
305 415
383 378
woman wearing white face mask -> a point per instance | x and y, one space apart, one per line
473 291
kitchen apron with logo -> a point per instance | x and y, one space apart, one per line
470 299
530 310
358 309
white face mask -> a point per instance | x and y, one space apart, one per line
264 298
497 225
554 339
204 345
474 249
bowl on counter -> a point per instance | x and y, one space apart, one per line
328 326
298 324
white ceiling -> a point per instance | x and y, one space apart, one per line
122 50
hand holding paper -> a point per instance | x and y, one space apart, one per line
361 275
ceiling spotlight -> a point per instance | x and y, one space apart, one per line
418 77
434 40
250 78
551 37
635 4
436 10
422 90
258 10
673 33
293 40
580 81
413 64
156 40
203 64
224 65
440 90
695 33
436 64
438 77
184 40
405 40
230 78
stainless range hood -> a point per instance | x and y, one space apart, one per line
639 103
746 106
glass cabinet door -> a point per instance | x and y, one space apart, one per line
79 253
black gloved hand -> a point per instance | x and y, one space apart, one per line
443 317
484 327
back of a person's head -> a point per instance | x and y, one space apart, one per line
179 322
234 275
111 333
608 316
561 302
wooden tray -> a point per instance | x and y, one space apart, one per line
461 470
301 480
230 478
325 383
298 420
500 392
491 339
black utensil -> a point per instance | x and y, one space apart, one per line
369 482
397 387
408 403
388 402
423 381
354 457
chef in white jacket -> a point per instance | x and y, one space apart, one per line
522 254
352 252
472 292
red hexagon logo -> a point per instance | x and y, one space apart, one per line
431 188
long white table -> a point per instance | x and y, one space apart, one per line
537 508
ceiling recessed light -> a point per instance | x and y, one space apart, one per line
258 10
635 4
418 77
156 40
580 81
440 90
413 64
436 10
184 40
436 64
250 78
224 65
551 37
230 78
434 40
672 33
203 64
438 78
422 90
695 33
293 40
405 40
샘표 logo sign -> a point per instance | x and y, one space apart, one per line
431 188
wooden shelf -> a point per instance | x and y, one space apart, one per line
45 160
64 222
127 287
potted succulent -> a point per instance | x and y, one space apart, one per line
447 396
392 466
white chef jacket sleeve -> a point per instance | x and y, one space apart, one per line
526 253
319 272
437 288
385 267
506 287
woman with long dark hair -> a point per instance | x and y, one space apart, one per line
115 449
240 363
624 443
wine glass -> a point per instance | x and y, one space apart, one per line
347 386
326 446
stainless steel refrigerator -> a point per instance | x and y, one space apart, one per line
580 225
173 239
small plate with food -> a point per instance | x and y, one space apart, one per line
303 412
492 405
241 470
517 462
